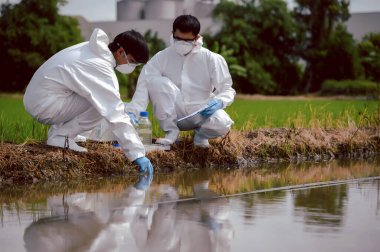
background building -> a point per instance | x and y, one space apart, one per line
163 9
360 24
158 16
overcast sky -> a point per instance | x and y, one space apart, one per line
105 10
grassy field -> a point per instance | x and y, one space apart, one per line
17 126
328 113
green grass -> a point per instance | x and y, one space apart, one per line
329 113
16 125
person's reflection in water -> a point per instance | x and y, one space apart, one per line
127 228
83 228
164 235
191 226
73 233
206 226
201 225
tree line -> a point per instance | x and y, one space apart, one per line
269 48
275 50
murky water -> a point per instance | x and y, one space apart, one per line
240 210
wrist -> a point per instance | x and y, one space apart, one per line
220 103
137 159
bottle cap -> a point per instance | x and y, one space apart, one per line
144 113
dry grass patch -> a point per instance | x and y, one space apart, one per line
28 163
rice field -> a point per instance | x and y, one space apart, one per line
17 126
326 113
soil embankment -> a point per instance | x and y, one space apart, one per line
28 163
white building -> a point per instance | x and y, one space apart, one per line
158 16
361 24
163 9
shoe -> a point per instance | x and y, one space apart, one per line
80 139
201 142
169 139
164 141
59 141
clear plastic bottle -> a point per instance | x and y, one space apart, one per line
145 128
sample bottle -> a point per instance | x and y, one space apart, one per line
145 128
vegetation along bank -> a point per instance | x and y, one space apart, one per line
37 162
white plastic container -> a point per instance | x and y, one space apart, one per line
145 128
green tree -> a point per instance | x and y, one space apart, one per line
317 19
234 66
263 39
30 33
342 58
369 52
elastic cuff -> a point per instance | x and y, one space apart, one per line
133 156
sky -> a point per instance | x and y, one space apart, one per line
105 10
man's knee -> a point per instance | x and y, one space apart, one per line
218 124
163 94
161 84
223 122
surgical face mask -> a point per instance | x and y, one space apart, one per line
183 47
126 68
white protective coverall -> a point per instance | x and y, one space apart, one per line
76 88
178 85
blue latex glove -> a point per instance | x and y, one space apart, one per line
144 181
144 165
213 106
116 145
133 118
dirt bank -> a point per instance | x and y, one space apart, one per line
30 163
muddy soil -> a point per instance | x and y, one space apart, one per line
37 162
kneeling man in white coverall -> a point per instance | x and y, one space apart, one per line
77 87
182 79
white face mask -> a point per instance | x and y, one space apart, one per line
125 68
183 47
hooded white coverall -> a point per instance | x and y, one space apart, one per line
76 88
178 85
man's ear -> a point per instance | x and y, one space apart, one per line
119 56
120 52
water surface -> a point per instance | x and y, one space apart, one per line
201 210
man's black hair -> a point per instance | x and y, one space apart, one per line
187 23
133 43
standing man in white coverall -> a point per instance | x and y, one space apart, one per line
77 87
182 79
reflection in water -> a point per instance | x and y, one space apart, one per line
324 206
337 218
184 212
62 234
221 181
238 181
205 224
95 222
264 200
